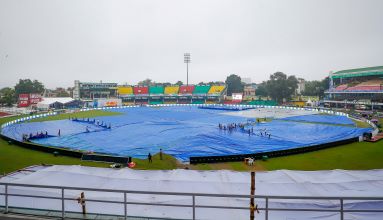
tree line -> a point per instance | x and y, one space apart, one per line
279 87
8 95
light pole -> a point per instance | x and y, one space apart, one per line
187 60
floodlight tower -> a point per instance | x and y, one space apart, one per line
187 60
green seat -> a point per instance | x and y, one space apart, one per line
201 89
156 90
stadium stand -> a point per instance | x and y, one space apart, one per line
369 85
357 88
156 93
214 93
199 89
184 94
141 90
125 90
216 90
200 94
141 94
373 82
171 94
341 87
186 89
171 90
156 90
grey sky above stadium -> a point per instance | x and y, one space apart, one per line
57 42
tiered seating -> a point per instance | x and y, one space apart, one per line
364 88
341 87
156 90
216 90
372 82
370 85
184 94
201 89
141 90
125 90
156 93
186 90
171 90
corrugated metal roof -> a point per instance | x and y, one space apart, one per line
368 71
375 68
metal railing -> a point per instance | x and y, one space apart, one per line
338 209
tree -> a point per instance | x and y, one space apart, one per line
280 87
261 89
179 83
324 86
316 88
7 96
28 86
312 88
62 93
234 84
216 83
146 82
164 84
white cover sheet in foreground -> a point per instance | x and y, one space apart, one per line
282 183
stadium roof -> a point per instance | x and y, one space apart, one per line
368 71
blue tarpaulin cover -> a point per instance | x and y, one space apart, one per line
318 118
182 132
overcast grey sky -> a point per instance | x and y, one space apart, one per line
57 42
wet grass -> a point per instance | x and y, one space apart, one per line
80 115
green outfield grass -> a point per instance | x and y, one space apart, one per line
13 157
355 156
167 163
85 114
361 124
